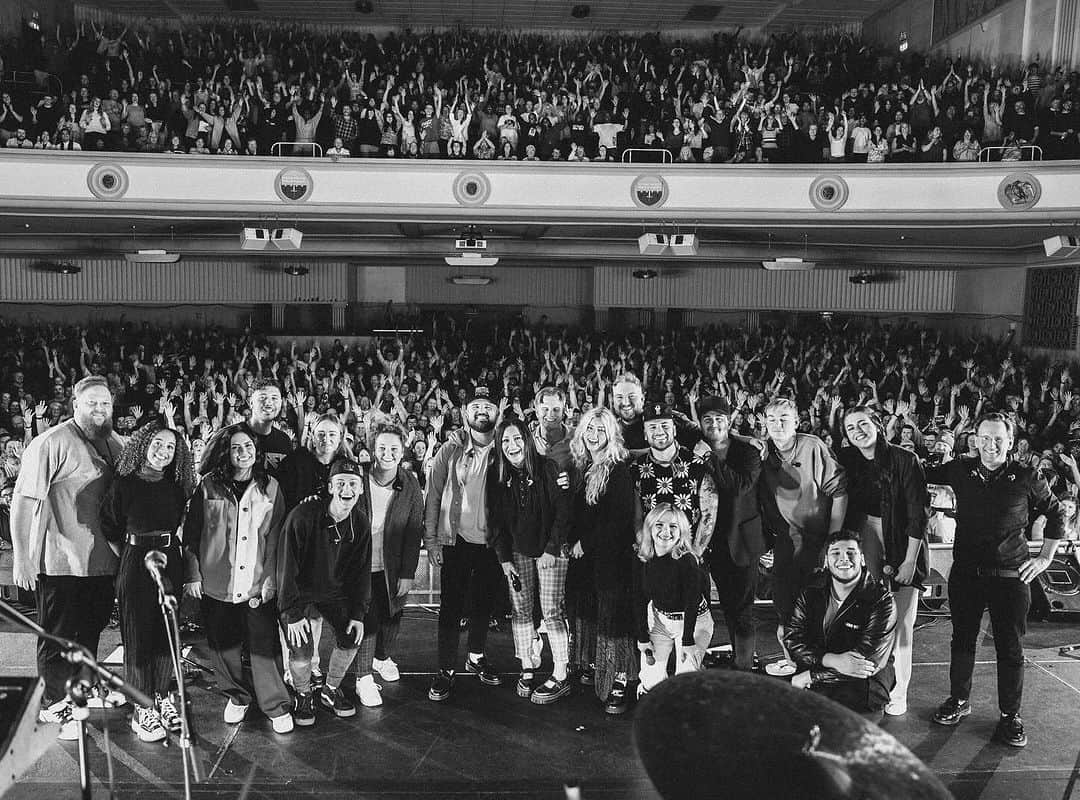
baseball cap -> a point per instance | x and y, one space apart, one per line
657 409
479 393
713 403
345 466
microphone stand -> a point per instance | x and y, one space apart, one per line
78 688
192 760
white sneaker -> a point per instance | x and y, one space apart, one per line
896 708
387 669
59 713
147 725
234 712
368 691
283 723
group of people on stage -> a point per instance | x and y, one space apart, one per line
605 535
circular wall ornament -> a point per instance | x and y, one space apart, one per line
1019 191
107 181
472 188
293 185
649 191
829 192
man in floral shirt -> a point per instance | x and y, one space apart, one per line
670 473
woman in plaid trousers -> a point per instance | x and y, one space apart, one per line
527 519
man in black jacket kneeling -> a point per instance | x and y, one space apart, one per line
841 633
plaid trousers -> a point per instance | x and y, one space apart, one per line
551 584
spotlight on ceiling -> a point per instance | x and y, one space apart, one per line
861 278
646 274
67 268
296 270
580 11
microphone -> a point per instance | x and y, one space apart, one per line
155 563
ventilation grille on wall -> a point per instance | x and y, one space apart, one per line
702 12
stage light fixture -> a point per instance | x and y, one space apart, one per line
296 270
684 244
286 238
788 264
652 244
152 257
1061 246
254 238
471 280
471 260
645 274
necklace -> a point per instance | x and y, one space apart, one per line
337 531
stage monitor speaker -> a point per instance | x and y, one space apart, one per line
254 239
22 738
1056 592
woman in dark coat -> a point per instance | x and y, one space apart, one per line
394 503
143 511
887 502
527 516
601 584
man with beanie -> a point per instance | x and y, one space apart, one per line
737 542
456 538
324 572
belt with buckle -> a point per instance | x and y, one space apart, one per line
680 614
996 572
151 539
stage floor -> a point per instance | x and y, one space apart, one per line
487 742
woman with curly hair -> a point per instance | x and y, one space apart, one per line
231 536
600 583
142 511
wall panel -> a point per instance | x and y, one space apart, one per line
111 280
752 287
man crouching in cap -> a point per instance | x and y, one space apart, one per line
324 572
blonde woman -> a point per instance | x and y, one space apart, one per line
600 591
674 597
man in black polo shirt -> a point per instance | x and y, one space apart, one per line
995 499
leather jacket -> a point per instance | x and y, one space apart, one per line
864 623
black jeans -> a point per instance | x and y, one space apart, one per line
76 609
735 586
466 565
1008 600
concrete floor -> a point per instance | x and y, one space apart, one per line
488 742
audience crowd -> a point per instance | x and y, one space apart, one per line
798 97
929 386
